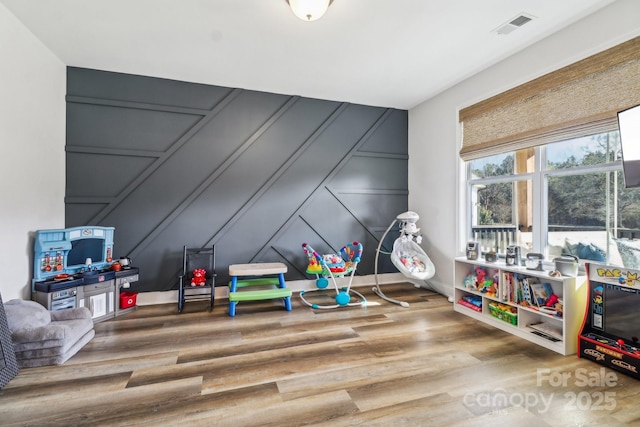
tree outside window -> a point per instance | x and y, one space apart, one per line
587 210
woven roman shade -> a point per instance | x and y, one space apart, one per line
580 99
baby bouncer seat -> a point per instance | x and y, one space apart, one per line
406 255
331 266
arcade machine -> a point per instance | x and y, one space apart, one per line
72 267
611 330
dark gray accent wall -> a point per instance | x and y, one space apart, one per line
171 163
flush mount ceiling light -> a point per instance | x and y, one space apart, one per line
309 10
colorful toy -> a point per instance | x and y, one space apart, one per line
481 275
335 263
199 277
559 308
411 262
491 288
552 300
470 281
332 266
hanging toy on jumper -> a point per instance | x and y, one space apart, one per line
406 255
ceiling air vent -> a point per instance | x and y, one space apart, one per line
513 24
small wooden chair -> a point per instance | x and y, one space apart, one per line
197 259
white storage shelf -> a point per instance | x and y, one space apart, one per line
571 290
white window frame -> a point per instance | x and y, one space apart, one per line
539 178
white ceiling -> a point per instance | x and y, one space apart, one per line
390 53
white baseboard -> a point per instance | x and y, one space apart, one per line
440 287
222 291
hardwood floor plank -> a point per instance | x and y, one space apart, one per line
434 410
284 341
288 363
96 408
223 368
382 371
21 398
316 409
426 384
213 409
49 375
303 324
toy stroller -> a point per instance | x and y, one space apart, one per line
332 266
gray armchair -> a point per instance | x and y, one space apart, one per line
42 337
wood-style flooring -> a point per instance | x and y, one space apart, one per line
383 365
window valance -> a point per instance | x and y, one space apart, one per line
579 99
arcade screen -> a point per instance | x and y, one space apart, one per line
82 249
621 313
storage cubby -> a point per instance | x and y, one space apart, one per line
506 298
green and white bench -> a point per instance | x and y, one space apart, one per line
252 274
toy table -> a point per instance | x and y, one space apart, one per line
254 275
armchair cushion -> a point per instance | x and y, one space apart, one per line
71 314
41 337
56 334
25 315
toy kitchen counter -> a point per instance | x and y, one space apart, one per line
99 291
74 267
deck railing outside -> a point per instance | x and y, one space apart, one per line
498 237
495 238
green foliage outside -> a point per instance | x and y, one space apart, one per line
573 200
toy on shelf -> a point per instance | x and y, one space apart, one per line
473 302
331 266
481 274
470 282
407 255
528 292
480 281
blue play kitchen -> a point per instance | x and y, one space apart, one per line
75 267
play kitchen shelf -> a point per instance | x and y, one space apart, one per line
514 299
125 300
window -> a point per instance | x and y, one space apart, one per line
501 190
566 197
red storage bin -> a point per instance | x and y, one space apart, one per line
127 299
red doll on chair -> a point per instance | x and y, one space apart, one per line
199 277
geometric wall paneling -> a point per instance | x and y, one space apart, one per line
332 221
388 139
79 214
111 87
337 226
288 244
246 183
214 178
256 174
370 209
339 232
101 175
126 126
290 191
372 172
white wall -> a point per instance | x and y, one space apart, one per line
434 134
32 137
